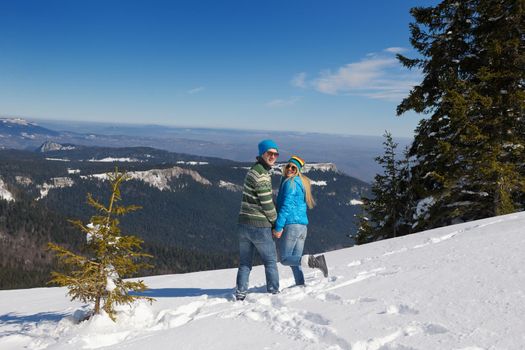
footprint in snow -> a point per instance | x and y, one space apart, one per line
389 341
180 316
404 249
399 310
301 325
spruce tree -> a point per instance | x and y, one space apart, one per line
499 83
97 276
384 214
468 152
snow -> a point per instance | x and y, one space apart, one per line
318 183
27 136
93 232
55 182
158 178
4 192
356 202
18 121
23 180
192 162
319 166
230 186
58 159
458 287
54 146
423 206
111 159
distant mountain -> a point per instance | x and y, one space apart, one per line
50 146
190 203
16 128
353 154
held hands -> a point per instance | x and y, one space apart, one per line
277 234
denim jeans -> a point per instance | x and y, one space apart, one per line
291 248
250 239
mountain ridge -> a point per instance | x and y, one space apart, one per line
189 202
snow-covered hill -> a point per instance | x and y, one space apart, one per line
457 287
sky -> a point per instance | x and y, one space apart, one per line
296 65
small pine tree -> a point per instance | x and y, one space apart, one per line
384 214
97 277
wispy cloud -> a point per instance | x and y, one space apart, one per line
196 90
352 76
277 103
299 80
395 49
377 76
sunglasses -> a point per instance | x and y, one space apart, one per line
272 154
292 167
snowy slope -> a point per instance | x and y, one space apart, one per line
457 287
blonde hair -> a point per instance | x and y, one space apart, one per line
310 201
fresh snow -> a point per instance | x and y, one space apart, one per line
423 206
459 287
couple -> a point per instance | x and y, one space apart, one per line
259 220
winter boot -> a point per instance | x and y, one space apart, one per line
240 296
318 262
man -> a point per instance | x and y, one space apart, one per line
256 219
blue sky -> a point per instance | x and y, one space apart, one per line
302 65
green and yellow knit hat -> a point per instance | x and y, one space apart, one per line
298 161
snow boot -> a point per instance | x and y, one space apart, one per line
318 262
240 296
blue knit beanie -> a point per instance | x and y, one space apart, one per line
265 145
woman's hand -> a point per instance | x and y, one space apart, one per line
277 234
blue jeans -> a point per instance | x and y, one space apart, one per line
291 249
250 239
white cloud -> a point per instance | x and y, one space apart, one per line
376 76
196 90
283 102
352 76
395 49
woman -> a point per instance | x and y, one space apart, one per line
294 197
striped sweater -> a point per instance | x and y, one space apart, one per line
257 207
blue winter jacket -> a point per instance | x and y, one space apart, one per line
291 203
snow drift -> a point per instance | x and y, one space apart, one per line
456 287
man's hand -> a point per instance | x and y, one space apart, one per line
277 234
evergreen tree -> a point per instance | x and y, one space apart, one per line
499 83
97 277
384 214
468 153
